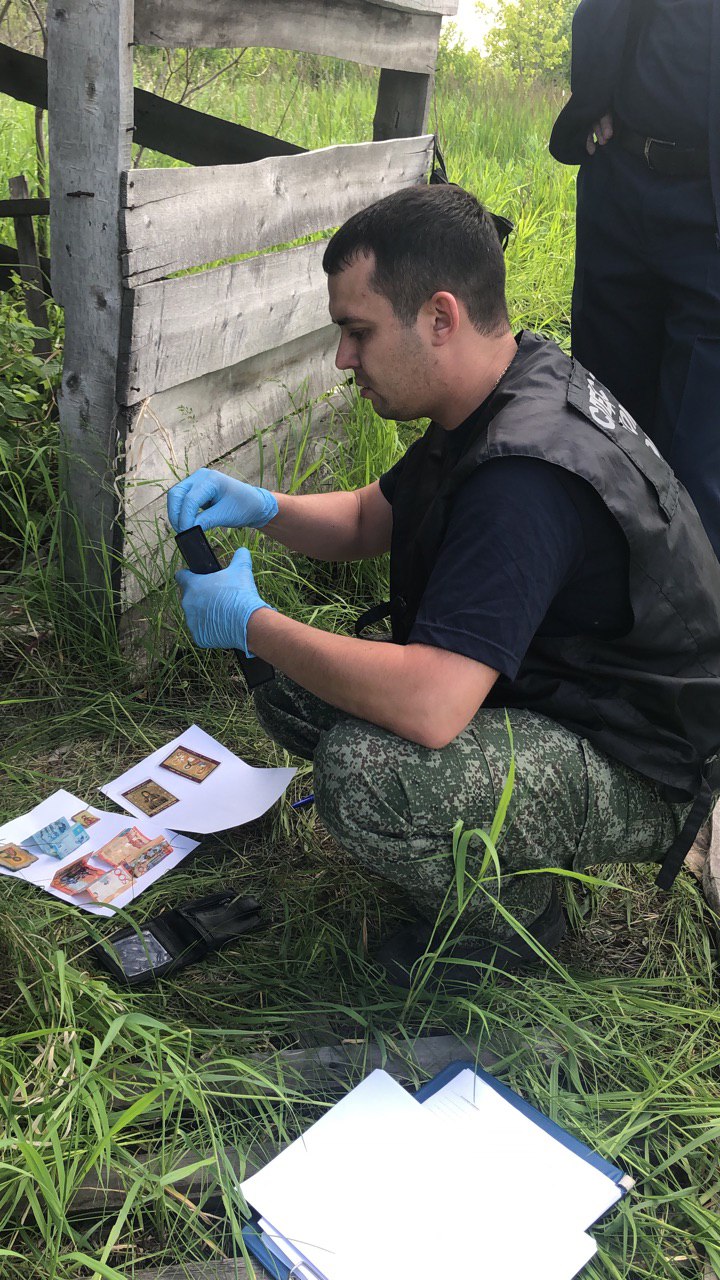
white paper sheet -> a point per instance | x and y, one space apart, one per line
556 1181
64 805
313 1190
233 794
383 1186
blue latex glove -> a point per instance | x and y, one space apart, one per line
216 501
218 606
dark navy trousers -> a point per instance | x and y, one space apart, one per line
646 310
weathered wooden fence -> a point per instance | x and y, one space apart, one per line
165 371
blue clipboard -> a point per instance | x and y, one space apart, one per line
252 1236
253 1241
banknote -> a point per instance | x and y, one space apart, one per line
110 884
59 838
76 877
123 847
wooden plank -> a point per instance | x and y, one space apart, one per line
90 99
23 207
353 29
208 419
176 330
179 218
329 1071
164 126
241 419
23 76
342 1064
300 438
29 267
9 267
445 7
403 105
198 138
204 1271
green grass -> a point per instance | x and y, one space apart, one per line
619 1041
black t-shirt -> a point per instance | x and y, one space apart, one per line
531 549
665 92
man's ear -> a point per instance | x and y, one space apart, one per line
445 317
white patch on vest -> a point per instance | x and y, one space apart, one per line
626 421
601 407
652 447
608 414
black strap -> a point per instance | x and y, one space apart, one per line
684 840
438 174
370 616
439 177
699 813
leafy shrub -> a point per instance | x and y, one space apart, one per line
28 386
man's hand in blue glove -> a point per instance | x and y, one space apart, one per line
216 501
219 605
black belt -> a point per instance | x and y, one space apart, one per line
666 158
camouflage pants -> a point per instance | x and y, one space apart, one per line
391 805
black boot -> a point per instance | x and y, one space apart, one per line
398 953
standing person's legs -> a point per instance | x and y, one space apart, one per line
686 426
617 306
392 805
646 310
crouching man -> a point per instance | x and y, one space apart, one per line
546 566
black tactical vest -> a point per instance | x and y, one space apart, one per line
650 698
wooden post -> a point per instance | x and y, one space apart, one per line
29 268
90 99
403 104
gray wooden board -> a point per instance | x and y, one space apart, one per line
403 104
23 76
353 29
179 218
9 266
199 138
204 1271
331 1070
204 420
445 7
23 207
193 136
176 330
149 543
241 419
90 98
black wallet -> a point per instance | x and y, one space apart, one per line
177 937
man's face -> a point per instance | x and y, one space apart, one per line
393 363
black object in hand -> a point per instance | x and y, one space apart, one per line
200 558
177 937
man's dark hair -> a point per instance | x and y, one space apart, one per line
426 240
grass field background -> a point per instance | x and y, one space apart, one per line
618 1041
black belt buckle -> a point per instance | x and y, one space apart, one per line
656 142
